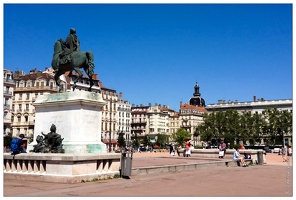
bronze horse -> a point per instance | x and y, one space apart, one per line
79 59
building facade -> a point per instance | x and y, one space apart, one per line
8 88
152 120
27 88
191 114
124 118
255 106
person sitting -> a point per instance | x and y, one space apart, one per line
238 157
17 145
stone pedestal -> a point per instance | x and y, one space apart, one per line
77 116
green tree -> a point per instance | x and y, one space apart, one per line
121 140
146 141
257 128
7 139
136 142
162 139
181 136
205 133
231 126
278 124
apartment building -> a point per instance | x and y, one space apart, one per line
8 87
191 114
255 106
139 120
152 120
21 90
116 117
27 88
124 118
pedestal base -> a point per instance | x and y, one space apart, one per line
85 147
64 168
77 116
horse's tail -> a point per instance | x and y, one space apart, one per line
90 62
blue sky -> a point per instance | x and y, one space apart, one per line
155 53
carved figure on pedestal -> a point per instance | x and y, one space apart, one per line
39 147
50 143
53 140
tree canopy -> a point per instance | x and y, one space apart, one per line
181 136
271 126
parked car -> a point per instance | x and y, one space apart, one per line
142 149
276 150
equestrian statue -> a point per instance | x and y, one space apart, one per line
67 57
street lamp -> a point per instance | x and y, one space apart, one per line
110 125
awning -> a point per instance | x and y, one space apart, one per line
152 140
106 141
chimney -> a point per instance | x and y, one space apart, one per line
120 95
254 98
94 76
180 104
39 73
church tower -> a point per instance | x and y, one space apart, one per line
196 100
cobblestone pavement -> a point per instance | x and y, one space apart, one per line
273 179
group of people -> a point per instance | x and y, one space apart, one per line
236 155
187 150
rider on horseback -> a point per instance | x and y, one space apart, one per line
71 44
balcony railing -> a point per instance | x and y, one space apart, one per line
6 120
7 93
6 80
36 88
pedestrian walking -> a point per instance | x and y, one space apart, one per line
187 148
284 152
172 150
178 149
289 150
222 149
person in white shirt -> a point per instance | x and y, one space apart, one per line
238 157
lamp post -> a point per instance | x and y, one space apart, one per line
110 125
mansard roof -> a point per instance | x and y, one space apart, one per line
34 76
193 107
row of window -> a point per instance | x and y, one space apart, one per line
159 130
20 107
31 83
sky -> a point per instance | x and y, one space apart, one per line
156 53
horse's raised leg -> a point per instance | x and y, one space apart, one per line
89 68
58 81
91 82
78 78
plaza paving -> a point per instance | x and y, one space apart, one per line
273 179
